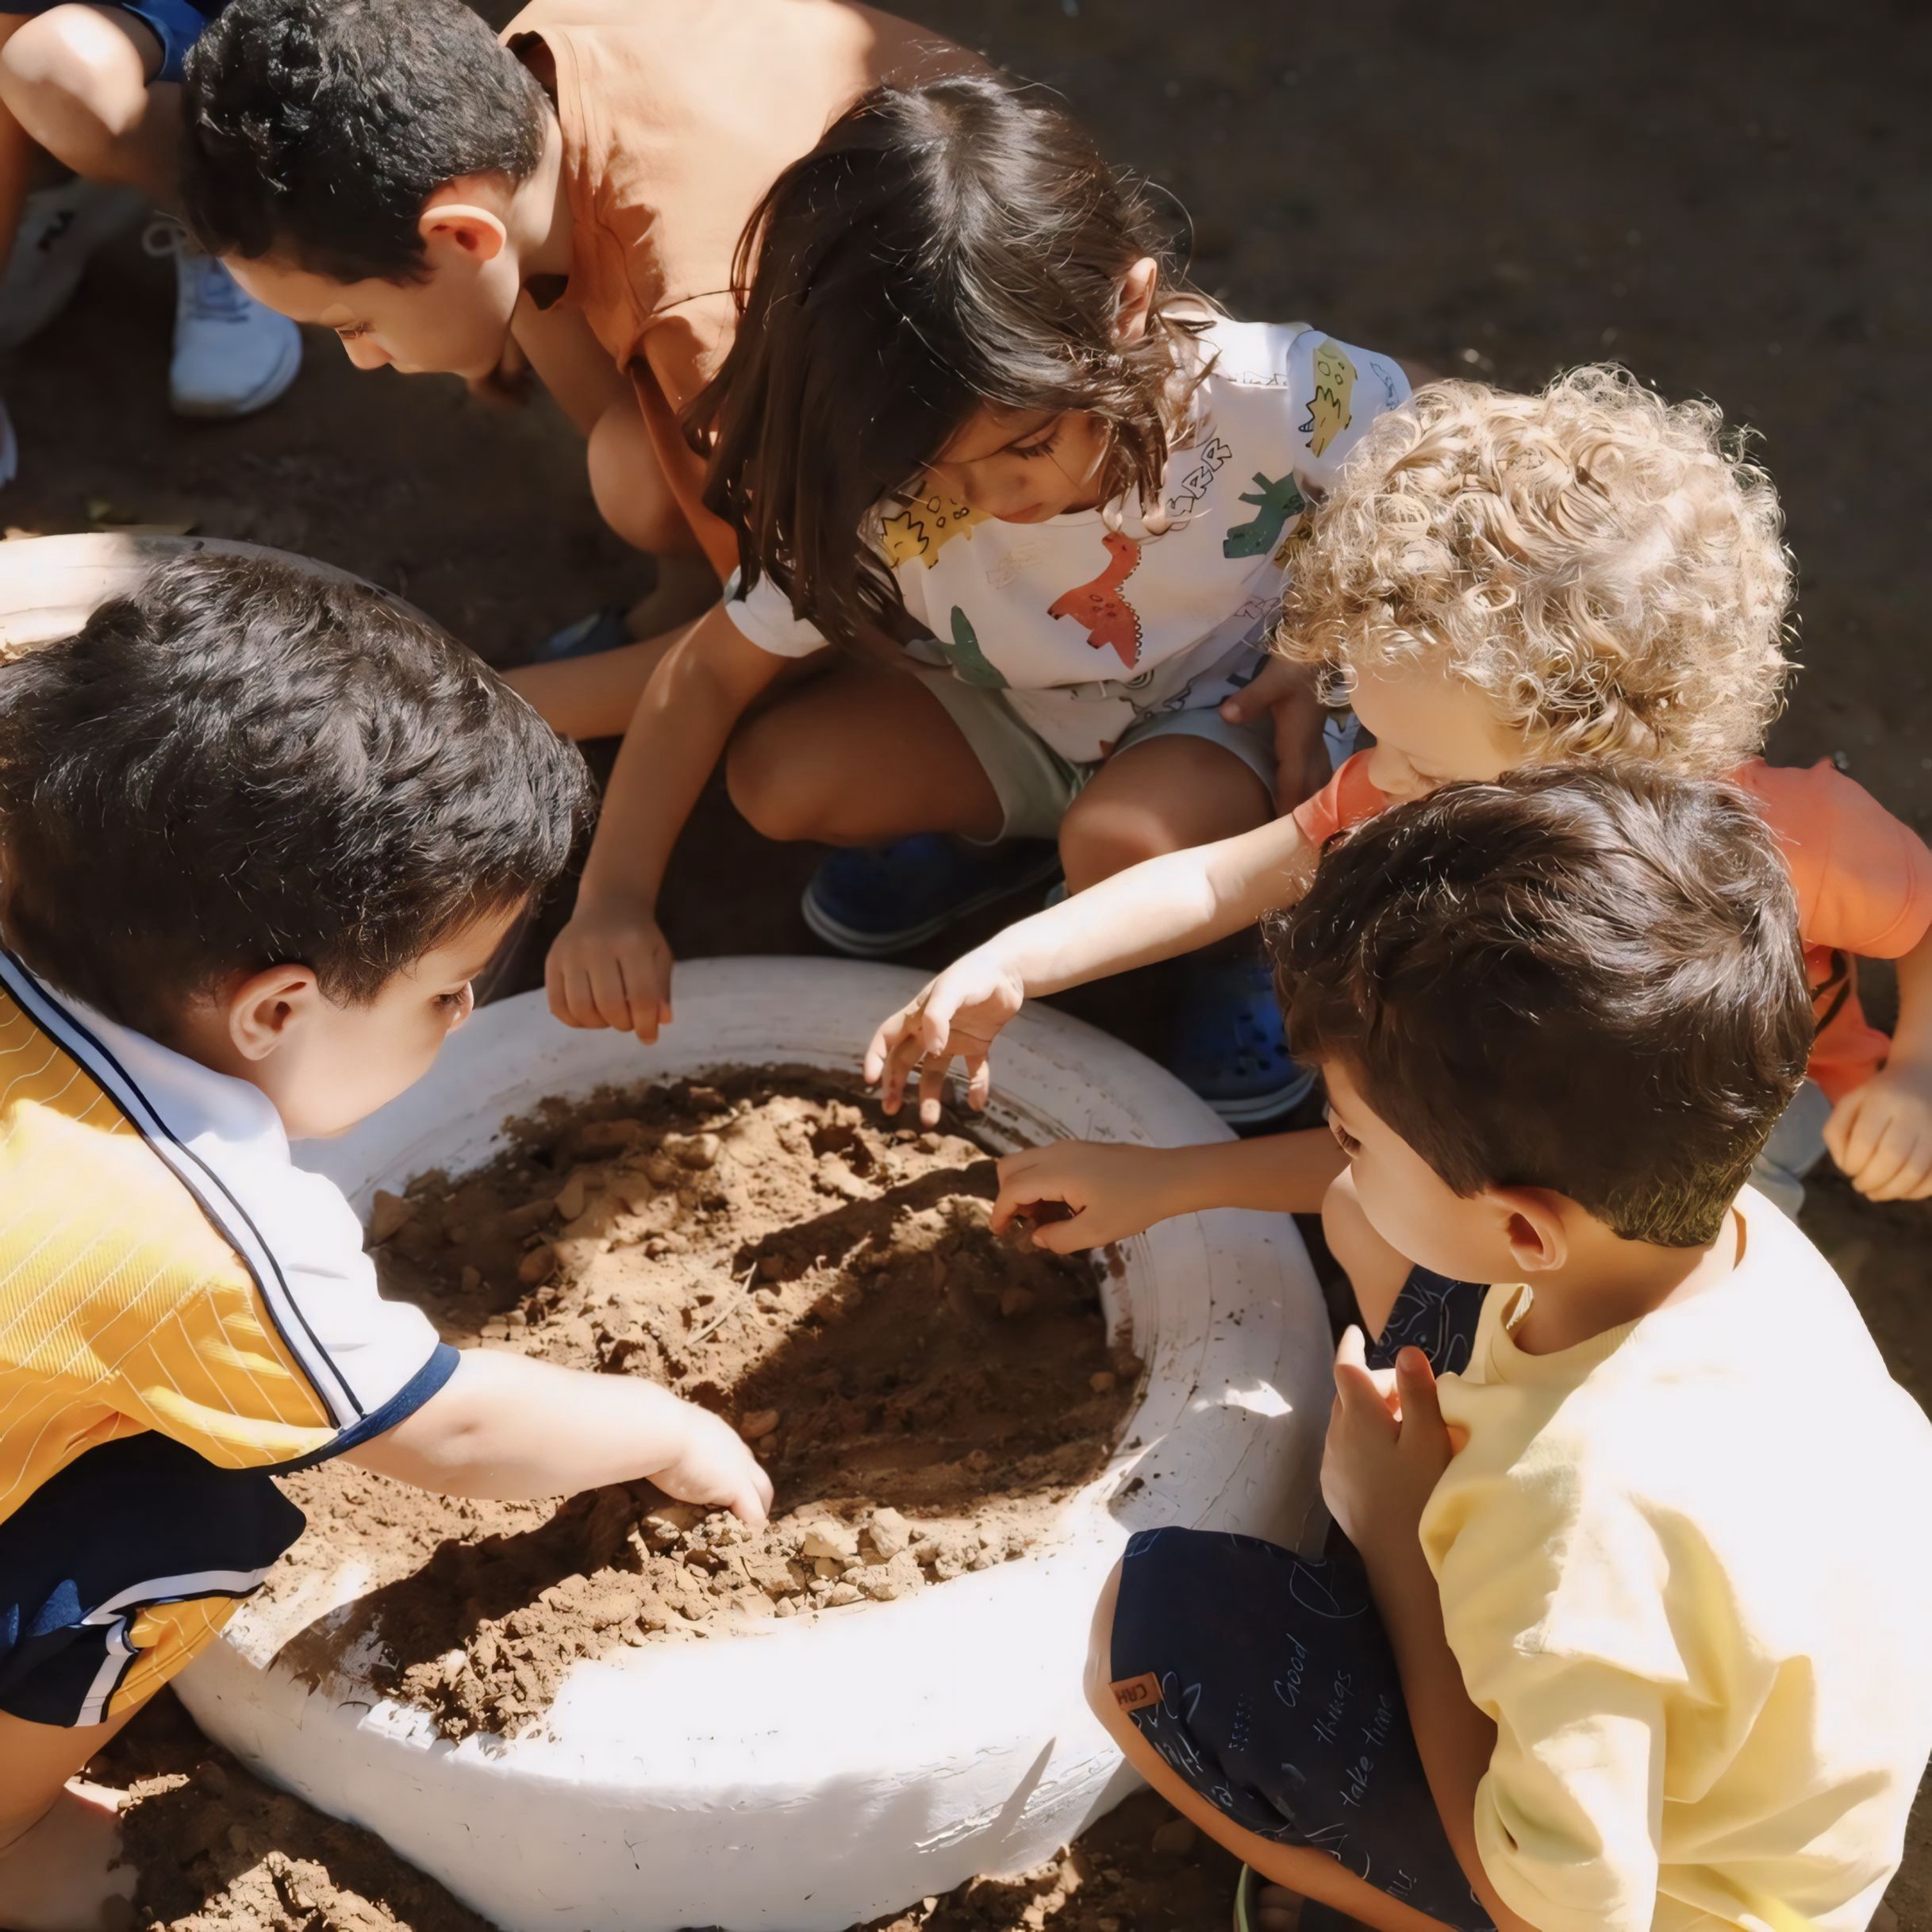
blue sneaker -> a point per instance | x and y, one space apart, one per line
588 637
875 900
1229 1045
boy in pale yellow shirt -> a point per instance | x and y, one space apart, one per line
1633 1643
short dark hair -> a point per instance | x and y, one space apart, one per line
944 246
244 765
317 129
1586 979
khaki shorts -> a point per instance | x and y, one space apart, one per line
1036 785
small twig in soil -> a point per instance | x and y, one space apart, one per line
725 1313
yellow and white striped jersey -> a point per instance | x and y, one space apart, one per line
165 1266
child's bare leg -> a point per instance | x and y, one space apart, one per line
1297 1870
76 79
859 757
1162 795
1375 1270
59 1842
627 482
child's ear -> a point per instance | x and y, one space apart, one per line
269 1007
1136 307
457 219
1535 1227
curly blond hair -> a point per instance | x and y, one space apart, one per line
1605 566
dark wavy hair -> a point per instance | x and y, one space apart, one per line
244 765
944 246
317 129
1584 978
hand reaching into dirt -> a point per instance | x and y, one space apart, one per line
960 1013
1094 1192
611 966
716 1469
506 1426
1287 691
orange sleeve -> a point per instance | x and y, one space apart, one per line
1864 878
682 349
1348 798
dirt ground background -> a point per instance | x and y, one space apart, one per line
1732 198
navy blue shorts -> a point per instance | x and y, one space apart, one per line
176 23
116 1572
1267 1683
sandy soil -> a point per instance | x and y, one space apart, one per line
924 1395
1731 197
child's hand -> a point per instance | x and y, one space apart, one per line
960 1012
611 966
1388 1446
1112 1192
713 1467
1880 1133
1287 691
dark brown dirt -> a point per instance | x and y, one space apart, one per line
924 1396
218 1851
1731 197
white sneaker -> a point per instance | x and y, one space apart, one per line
231 356
59 228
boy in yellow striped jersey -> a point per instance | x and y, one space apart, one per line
258 835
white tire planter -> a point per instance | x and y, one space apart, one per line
817 1772
50 585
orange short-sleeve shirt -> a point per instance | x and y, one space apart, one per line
1863 882
676 116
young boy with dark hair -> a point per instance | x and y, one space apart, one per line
259 833
386 169
1635 1642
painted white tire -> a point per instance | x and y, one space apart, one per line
50 585
820 1770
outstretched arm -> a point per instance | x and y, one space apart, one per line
611 966
1166 906
507 1427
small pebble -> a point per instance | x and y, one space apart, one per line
1103 1382
700 1151
389 1216
759 1424
573 1197
827 1541
888 1533
1175 1839
537 1264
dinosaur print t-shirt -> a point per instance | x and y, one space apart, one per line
1092 621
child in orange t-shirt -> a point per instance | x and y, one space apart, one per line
1500 580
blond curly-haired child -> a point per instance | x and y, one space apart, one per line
1498 581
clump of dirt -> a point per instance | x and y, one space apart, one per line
216 1850
924 1395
